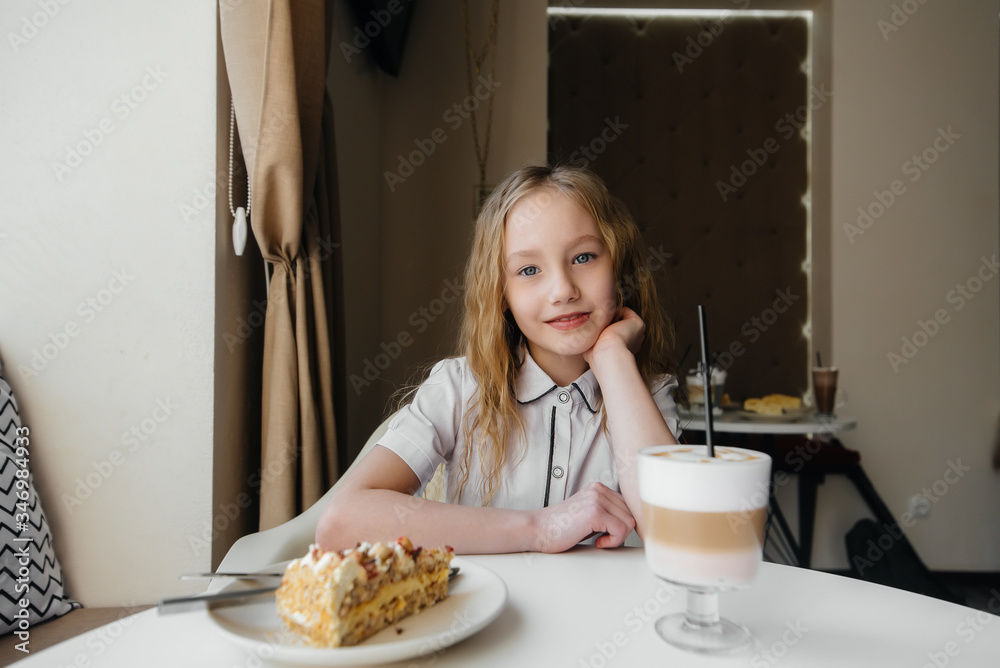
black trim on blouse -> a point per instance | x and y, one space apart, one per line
584 397
552 447
538 397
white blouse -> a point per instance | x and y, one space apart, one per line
566 447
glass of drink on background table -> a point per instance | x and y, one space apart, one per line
825 389
704 530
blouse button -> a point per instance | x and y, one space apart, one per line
564 397
557 472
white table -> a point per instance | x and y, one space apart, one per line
733 423
595 608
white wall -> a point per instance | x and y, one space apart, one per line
106 314
896 93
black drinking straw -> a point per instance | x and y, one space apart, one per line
818 362
706 383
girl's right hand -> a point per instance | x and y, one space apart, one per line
594 509
625 332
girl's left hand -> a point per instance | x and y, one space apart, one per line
628 329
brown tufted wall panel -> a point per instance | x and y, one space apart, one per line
665 109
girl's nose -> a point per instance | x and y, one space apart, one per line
562 288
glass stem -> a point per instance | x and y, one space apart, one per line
702 607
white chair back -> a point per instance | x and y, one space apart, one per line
291 539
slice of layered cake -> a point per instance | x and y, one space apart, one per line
334 599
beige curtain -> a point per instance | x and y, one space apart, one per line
276 55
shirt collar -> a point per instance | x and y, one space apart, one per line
533 383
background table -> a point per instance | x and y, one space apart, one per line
596 608
732 423
818 454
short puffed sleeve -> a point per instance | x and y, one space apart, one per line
424 432
663 394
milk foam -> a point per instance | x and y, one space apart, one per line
684 477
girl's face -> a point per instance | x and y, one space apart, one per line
559 280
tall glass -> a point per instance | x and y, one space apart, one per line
825 389
704 530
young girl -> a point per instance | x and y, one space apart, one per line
560 385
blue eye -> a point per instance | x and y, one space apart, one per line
583 258
528 271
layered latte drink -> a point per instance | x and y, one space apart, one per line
704 516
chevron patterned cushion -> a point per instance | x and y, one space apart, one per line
31 582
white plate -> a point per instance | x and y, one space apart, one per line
698 413
789 415
476 597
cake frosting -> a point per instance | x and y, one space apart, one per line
339 598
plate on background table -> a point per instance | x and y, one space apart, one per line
788 415
696 413
476 597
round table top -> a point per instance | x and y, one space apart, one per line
592 607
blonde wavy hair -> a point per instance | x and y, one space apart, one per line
491 339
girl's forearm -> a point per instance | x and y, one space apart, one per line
382 514
634 420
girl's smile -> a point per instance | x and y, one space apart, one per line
571 321
559 280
